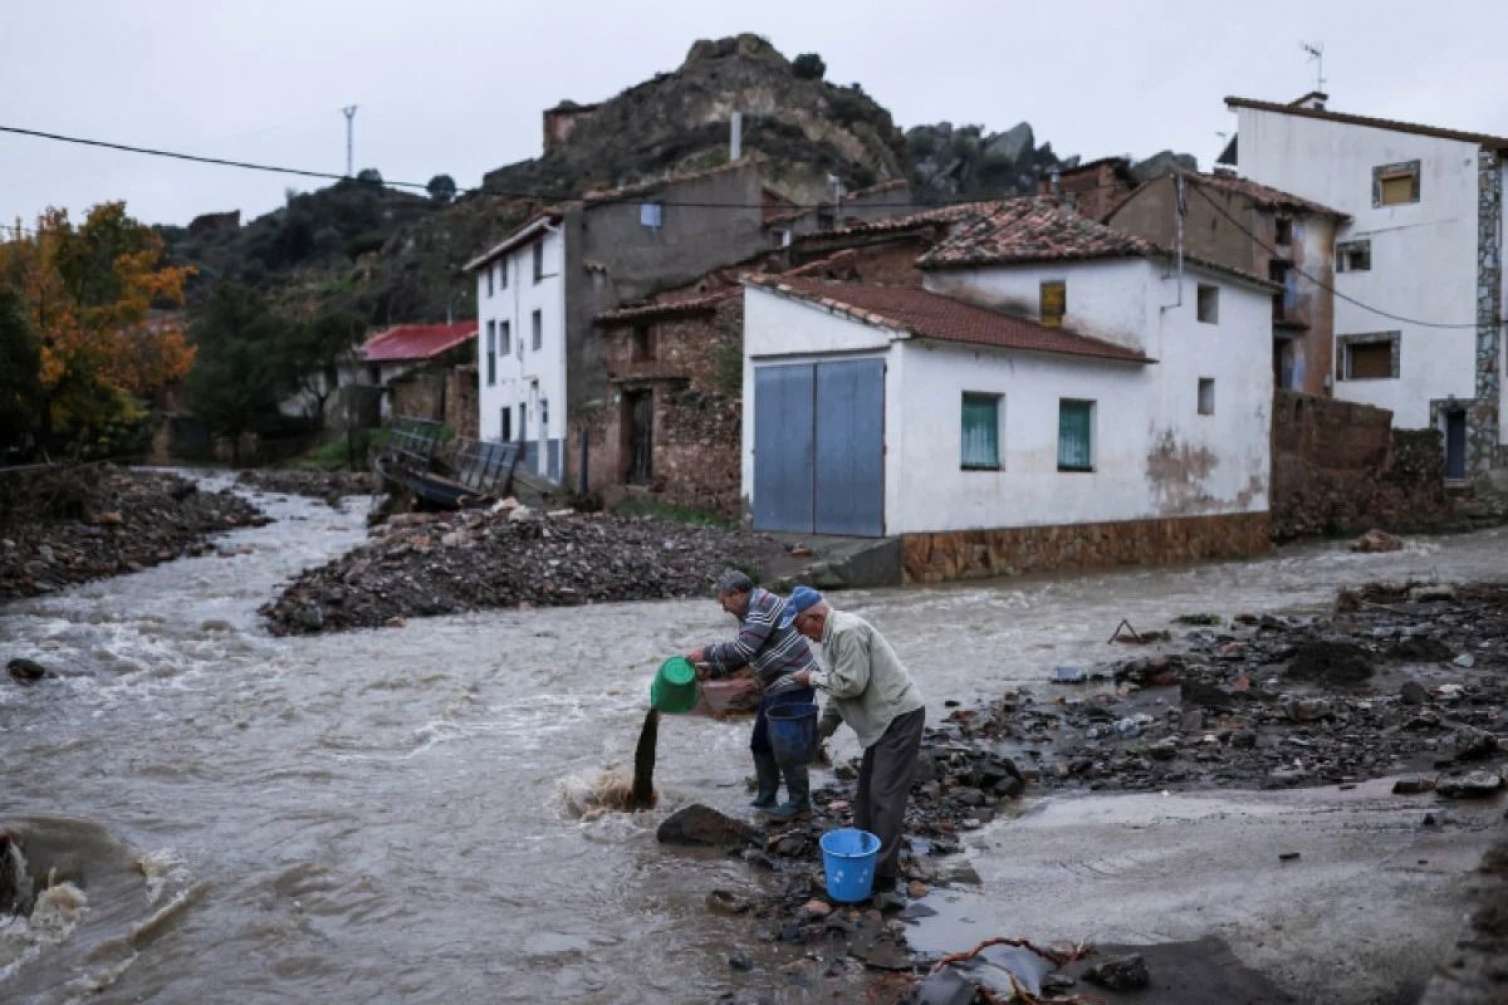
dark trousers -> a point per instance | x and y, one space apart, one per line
760 741
884 783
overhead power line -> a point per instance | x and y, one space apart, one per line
516 194
197 158
1326 286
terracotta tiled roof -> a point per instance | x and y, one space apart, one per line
404 342
689 306
665 309
950 213
1032 230
923 314
1263 195
1039 229
1484 139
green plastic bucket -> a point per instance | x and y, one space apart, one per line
674 687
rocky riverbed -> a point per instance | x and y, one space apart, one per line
425 564
330 486
71 523
1399 679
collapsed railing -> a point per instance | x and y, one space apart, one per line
448 473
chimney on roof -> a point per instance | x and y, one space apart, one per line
1314 100
736 136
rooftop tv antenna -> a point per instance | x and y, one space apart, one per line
1316 53
349 111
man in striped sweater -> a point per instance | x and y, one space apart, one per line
775 652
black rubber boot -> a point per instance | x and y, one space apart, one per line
767 780
798 787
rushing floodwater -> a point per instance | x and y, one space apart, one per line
388 814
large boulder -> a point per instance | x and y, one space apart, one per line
702 826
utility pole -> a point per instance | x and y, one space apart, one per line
349 111
1316 53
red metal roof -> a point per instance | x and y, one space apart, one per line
925 314
404 342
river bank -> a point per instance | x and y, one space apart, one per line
1402 681
70 524
429 564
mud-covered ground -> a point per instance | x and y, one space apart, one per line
426 564
72 523
1400 679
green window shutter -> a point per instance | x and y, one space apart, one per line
1075 452
981 431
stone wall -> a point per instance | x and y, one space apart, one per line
461 412
977 554
692 370
1483 417
419 394
1338 467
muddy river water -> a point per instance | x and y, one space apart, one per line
388 815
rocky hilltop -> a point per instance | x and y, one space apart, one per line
677 121
393 256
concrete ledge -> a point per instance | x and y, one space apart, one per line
1012 551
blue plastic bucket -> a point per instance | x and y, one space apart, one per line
793 732
848 857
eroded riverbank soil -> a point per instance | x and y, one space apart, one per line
1398 679
73 523
420 565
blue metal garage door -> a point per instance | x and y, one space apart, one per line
851 448
819 448
783 486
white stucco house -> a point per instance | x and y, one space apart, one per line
1059 393
1418 273
521 349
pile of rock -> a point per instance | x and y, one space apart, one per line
316 484
74 523
1401 679
426 564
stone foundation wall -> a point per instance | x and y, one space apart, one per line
977 554
1338 467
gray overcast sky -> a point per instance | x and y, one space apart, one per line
457 87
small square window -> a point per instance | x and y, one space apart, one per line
1283 230
651 215
1053 302
1208 306
980 432
1395 184
1372 356
1353 256
1206 395
1075 435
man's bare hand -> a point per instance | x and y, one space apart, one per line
803 678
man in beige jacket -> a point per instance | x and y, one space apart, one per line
868 688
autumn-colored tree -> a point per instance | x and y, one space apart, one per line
20 377
89 293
